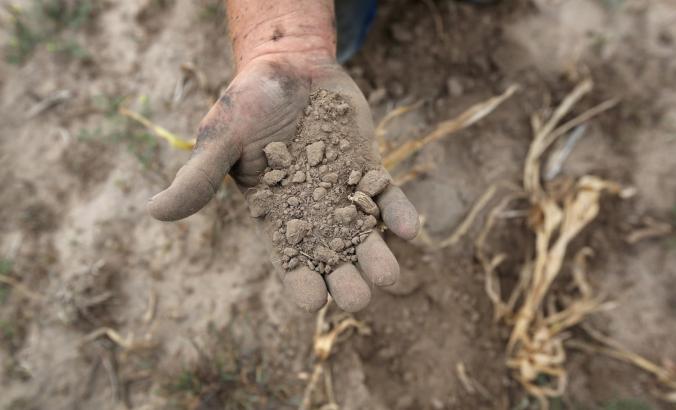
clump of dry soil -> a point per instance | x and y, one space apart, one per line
316 193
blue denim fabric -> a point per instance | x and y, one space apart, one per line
353 20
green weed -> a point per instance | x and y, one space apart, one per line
118 129
48 22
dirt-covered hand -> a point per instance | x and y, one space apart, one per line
262 105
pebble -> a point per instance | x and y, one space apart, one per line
278 155
274 176
326 255
360 223
293 201
315 153
298 177
346 214
373 182
370 222
258 202
290 252
355 240
326 185
344 145
331 155
323 169
337 244
318 193
326 127
277 237
354 178
331 177
296 230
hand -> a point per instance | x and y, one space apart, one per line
260 106
281 61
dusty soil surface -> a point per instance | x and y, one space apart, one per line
117 310
316 194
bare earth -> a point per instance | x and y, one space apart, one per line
117 310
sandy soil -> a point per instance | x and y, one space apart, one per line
200 313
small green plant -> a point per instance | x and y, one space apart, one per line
118 129
49 22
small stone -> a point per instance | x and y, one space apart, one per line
293 201
353 258
290 252
285 265
274 176
359 223
293 263
277 237
331 154
331 177
298 177
258 202
325 185
370 222
323 169
337 244
318 193
355 241
326 255
350 250
310 265
344 231
346 214
315 153
344 145
374 182
354 178
327 269
326 128
296 230
278 155
286 181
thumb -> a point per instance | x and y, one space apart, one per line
199 179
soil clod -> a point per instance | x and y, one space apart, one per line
307 193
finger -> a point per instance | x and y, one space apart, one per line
348 288
199 179
377 261
306 289
398 213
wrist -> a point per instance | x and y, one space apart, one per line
301 31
